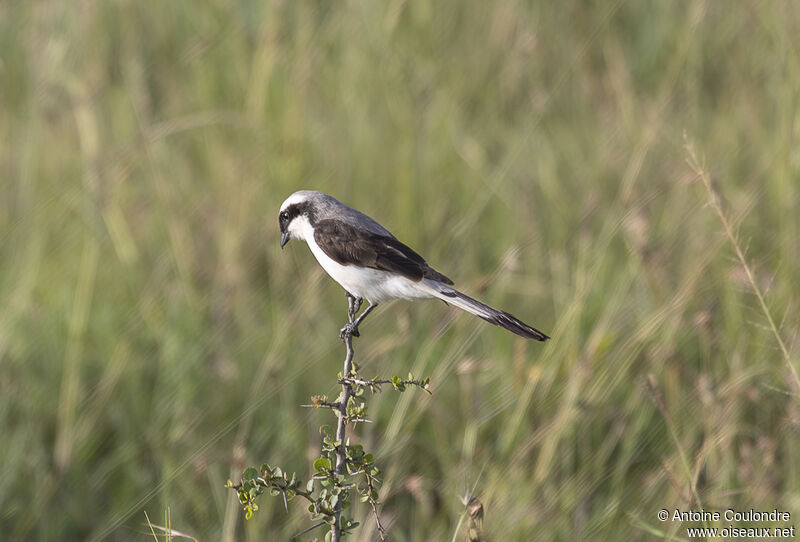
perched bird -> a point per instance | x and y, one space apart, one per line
370 263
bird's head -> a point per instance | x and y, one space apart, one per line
297 215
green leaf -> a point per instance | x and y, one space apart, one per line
398 384
310 485
323 464
250 473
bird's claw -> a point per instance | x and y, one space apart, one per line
349 329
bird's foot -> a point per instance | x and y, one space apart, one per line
351 329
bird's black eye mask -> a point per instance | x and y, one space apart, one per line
296 209
283 220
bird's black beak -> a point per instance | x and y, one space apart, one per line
284 238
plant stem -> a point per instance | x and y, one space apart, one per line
716 204
341 428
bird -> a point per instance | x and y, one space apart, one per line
372 264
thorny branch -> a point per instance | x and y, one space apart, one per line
341 427
342 468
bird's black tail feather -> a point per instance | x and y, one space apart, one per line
491 315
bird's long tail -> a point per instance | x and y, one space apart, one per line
507 321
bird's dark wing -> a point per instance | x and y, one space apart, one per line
348 245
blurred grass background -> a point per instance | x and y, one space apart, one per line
154 339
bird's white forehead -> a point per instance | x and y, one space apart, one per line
297 197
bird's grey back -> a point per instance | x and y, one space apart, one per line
328 207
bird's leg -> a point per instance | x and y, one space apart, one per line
361 318
351 328
353 305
